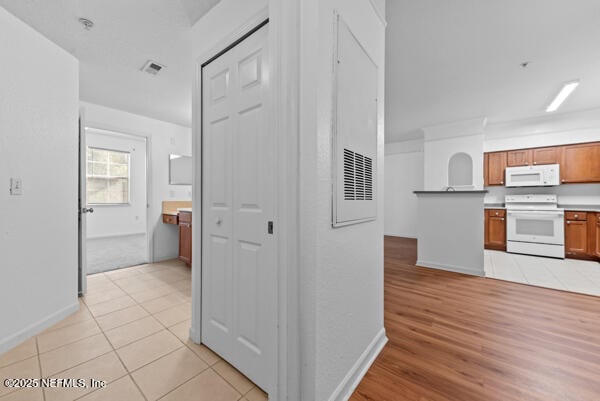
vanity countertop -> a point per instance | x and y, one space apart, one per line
185 209
171 208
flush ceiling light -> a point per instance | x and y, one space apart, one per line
564 93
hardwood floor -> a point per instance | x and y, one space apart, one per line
463 338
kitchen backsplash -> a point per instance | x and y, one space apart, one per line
569 194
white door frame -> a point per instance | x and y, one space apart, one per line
82 203
283 103
148 141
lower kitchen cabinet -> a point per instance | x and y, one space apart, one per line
185 237
595 240
582 230
576 238
495 229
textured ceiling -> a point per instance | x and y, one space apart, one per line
127 33
455 60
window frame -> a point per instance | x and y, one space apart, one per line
108 177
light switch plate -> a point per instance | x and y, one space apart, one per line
16 187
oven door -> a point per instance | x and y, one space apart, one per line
542 227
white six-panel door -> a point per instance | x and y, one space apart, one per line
238 252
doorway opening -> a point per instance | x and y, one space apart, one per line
114 168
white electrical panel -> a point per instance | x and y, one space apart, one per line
354 130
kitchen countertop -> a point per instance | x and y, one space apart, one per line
451 192
575 208
581 208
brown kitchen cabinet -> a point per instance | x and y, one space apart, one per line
582 235
576 235
580 163
595 235
185 237
549 155
516 158
495 229
494 169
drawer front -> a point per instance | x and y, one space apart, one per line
581 216
185 217
170 219
496 212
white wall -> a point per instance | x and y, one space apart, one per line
38 143
339 331
165 138
553 129
441 142
341 268
403 175
222 20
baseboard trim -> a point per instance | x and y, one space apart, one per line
195 337
451 268
36 328
345 389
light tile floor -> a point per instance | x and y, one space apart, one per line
562 274
132 332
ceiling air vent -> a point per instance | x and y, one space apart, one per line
152 68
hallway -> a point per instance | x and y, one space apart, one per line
132 332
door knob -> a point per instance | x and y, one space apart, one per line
87 210
218 221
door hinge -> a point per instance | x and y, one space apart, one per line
270 227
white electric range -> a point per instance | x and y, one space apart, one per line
535 225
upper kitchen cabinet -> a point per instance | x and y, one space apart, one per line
550 155
535 156
495 165
580 163
517 158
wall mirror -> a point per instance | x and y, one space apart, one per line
180 170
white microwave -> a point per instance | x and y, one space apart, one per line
533 176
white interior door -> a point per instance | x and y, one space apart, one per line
238 252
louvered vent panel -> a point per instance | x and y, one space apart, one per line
368 178
358 176
348 174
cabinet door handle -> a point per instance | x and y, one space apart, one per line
568 222
576 216
502 219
